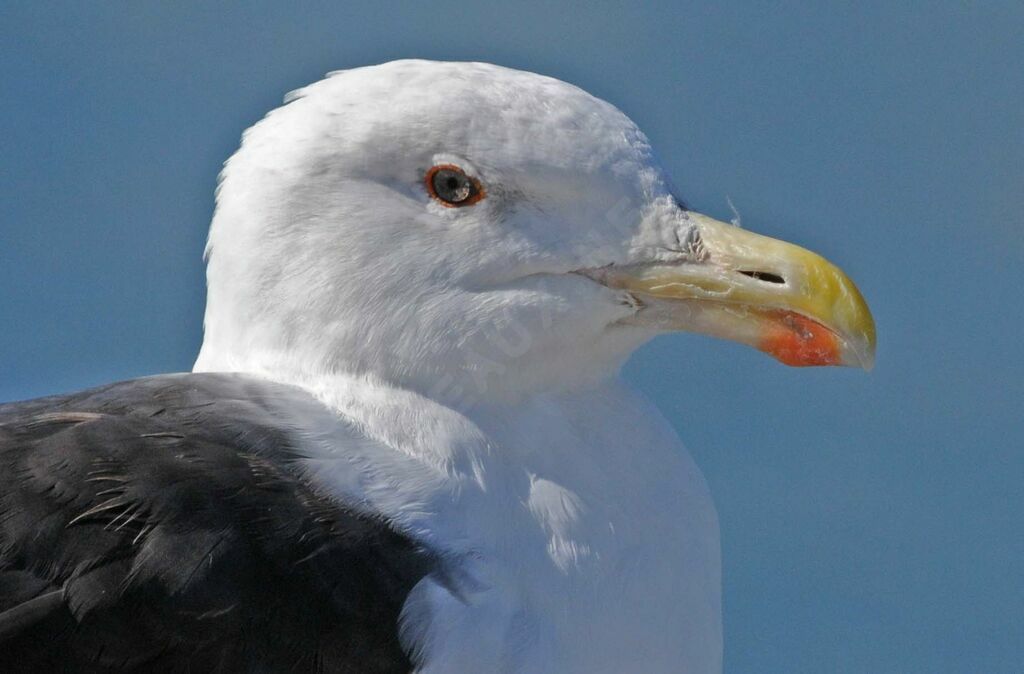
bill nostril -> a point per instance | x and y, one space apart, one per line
766 276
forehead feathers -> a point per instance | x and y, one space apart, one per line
387 117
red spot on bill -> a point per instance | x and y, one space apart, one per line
800 341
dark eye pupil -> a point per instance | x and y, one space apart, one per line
452 186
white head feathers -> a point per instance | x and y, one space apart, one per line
328 254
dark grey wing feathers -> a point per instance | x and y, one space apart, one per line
159 525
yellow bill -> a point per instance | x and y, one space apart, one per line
777 297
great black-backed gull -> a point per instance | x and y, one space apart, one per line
405 445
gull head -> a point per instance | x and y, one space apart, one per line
478 233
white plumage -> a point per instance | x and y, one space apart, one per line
479 373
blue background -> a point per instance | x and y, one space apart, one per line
870 523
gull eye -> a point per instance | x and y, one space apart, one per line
452 187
